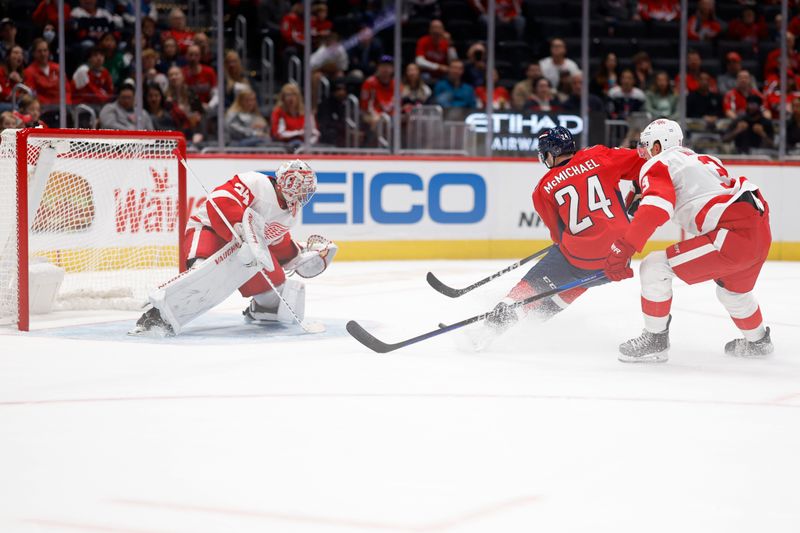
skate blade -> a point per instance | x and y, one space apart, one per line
659 357
750 355
153 333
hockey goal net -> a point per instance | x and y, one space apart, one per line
99 214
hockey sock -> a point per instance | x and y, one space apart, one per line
744 311
542 309
656 278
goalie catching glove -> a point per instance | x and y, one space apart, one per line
314 257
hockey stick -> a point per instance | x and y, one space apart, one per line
376 345
437 285
235 235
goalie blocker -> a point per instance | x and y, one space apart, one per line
240 239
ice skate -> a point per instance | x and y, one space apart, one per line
746 348
501 319
257 313
151 323
646 348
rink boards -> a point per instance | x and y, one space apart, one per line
462 208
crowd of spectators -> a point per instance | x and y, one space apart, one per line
734 97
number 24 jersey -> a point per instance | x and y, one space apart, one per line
581 204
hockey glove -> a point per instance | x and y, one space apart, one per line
314 257
618 261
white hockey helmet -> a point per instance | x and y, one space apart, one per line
667 132
297 182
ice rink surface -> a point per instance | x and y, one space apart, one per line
236 428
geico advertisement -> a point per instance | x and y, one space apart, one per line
406 200
409 200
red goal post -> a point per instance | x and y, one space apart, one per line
103 211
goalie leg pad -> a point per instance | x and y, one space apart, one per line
206 284
294 294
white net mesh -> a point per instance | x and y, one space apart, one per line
104 209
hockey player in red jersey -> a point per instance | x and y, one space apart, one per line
239 238
579 201
730 219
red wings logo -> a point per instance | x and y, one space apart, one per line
274 231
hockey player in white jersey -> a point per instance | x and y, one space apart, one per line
239 239
730 220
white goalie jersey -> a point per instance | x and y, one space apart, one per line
248 189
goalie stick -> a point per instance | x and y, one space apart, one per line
437 285
370 341
310 328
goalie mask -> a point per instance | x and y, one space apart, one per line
297 183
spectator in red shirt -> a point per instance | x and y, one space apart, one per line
11 73
659 10
772 94
321 27
29 111
47 13
433 52
747 27
177 30
694 66
184 106
201 78
507 12
773 62
704 24
794 25
42 74
734 104
501 99
377 92
92 81
292 26
288 118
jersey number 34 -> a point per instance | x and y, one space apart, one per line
596 200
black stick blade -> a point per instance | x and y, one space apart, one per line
367 339
438 286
